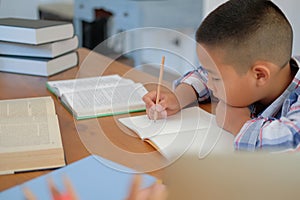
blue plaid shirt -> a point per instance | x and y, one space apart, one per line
276 128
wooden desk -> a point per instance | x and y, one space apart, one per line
101 136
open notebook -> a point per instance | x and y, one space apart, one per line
191 129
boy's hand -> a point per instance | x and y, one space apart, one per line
156 191
231 118
69 194
168 104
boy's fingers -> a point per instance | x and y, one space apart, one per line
163 104
158 192
149 102
53 190
150 97
158 108
69 188
161 112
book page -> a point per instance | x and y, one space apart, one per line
28 107
28 134
73 85
121 98
188 119
28 124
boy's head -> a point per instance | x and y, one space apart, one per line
248 30
242 33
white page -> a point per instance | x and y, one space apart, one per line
29 134
28 124
72 85
27 107
106 100
201 142
188 119
174 145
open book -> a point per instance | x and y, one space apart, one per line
189 130
31 31
29 135
99 96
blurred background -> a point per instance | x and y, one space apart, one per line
96 20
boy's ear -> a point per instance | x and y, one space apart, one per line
261 73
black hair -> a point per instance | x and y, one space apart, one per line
247 31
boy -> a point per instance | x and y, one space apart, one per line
245 49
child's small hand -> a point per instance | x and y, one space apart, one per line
231 118
69 194
156 191
161 112
167 102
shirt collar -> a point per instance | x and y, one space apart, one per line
295 63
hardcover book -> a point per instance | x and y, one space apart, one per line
38 66
31 31
30 135
48 50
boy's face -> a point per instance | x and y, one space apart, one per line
227 85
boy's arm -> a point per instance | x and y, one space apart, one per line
193 84
271 133
185 94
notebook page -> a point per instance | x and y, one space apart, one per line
188 119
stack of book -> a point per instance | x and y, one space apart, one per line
37 47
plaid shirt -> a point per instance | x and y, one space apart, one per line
276 128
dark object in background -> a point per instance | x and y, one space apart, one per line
95 32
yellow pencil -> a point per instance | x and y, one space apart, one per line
161 74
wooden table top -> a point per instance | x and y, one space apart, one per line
102 136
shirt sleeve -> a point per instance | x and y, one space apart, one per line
198 80
271 133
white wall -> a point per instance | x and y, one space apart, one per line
16 8
290 8
210 5
21 8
